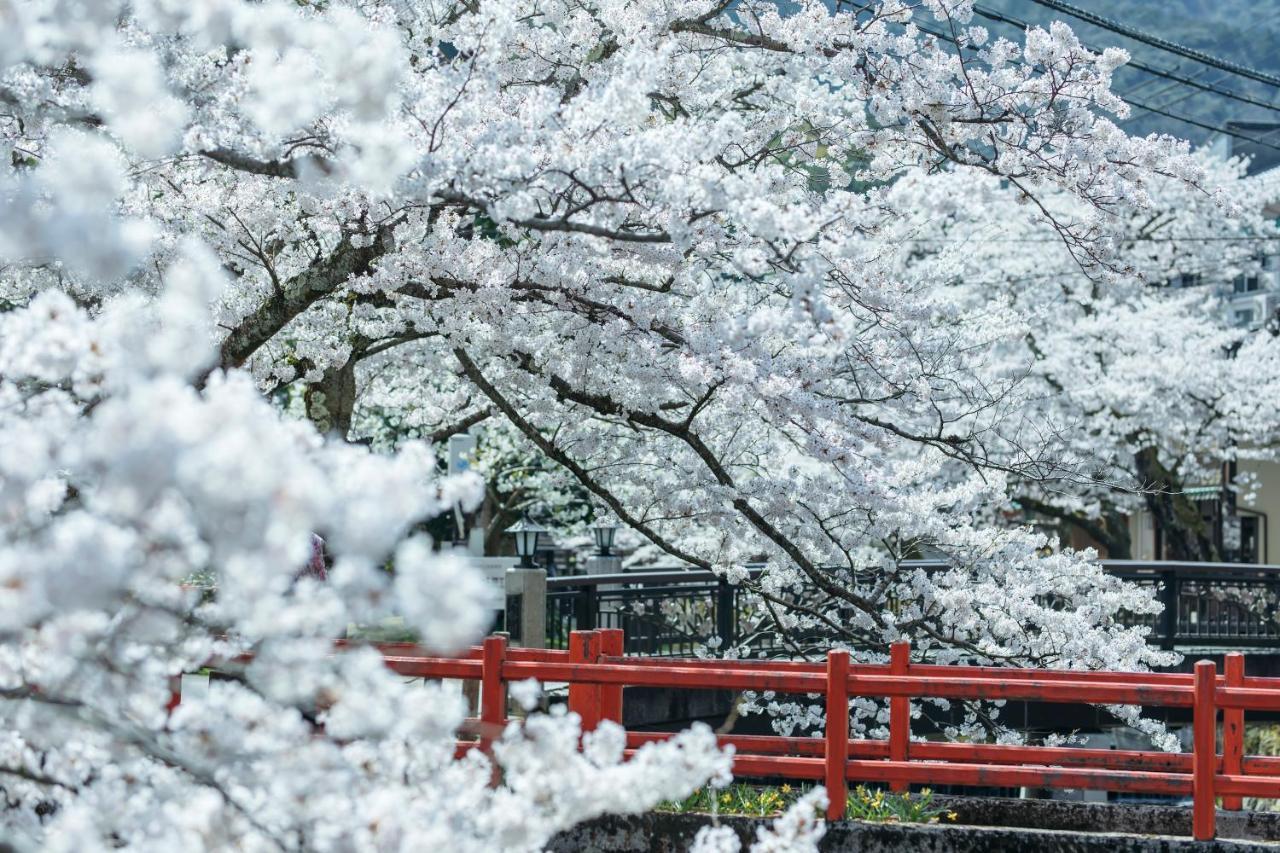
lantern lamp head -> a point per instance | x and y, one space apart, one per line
604 531
526 534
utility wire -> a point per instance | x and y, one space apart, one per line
1156 41
1177 96
1145 83
1161 86
1142 66
1196 123
1185 119
1166 96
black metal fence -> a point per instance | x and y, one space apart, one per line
666 612
1209 604
678 611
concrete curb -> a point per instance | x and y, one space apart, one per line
1106 817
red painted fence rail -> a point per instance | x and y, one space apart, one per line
596 672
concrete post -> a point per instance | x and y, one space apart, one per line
527 607
597 565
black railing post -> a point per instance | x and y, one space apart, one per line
511 623
586 608
1169 594
726 613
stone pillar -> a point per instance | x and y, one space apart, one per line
597 565
527 607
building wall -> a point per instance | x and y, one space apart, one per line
1267 500
1142 536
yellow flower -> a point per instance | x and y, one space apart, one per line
786 789
951 815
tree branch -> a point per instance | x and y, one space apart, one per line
531 432
300 293
268 168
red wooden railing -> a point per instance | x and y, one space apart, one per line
596 672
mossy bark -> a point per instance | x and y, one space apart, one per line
332 401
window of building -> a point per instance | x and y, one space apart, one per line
1250 539
1247 283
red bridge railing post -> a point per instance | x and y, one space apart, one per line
493 694
175 693
584 699
899 710
612 644
837 733
1205 730
838 758
1233 729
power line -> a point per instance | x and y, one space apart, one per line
1178 96
1162 87
1197 123
1147 83
1156 41
1175 96
1142 66
1156 110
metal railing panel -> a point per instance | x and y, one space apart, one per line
677 611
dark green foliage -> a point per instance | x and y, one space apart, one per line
862 803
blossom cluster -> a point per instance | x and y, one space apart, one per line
693 254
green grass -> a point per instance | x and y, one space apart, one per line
862 804
885 807
1262 740
390 630
739 799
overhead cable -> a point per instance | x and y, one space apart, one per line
1226 131
993 15
1155 41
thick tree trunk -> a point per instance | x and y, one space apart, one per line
332 401
1182 528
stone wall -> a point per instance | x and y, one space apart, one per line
984 824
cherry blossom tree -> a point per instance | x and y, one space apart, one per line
1146 382
659 240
